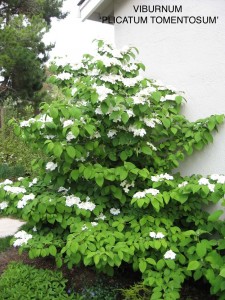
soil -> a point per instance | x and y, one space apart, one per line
77 277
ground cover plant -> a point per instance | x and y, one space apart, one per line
108 195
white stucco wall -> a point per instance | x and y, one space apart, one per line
189 57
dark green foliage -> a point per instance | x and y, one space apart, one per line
23 52
21 281
11 172
5 244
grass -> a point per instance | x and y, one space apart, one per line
5 243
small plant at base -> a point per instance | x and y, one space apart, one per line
21 281
106 195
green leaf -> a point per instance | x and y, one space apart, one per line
193 265
99 179
125 118
201 250
142 266
75 174
75 131
166 122
215 215
57 150
74 246
52 250
71 151
222 272
54 112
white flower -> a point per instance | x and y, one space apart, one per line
64 76
22 238
3 205
169 255
98 111
14 189
49 137
161 177
72 200
151 146
34 229
7 182
23 202
211 187
115 211
215 176
137 132
112 78
100 217
155 235
102 92
94 224
73 91
139 100
87 205
70 136
151 191
152 234
139 195
20 178
130 112
111 133
151 122
129 82
203 181
67 123
160 235
84 227
221 179
147 91
183 184
62 189
45 119
25 124
51 166
34 181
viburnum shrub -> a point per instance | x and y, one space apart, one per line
108 194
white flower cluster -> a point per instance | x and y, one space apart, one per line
128 82
22 237
27 123
3 205
218 178
50 166
111 133
45 119
23 202
151 122
73 200
14 189
6 182
94 224
205 181
67 123
49 136
169 97
107 61
115 211
102 92
126 186
140 195
70 136
137 131
64 76
62 190
155 235
170 255
183 184
151 146
161 177
100 217
34 181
